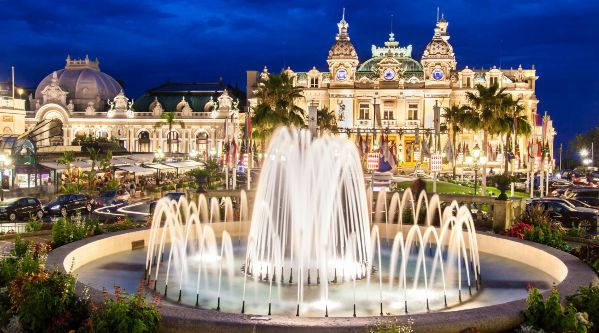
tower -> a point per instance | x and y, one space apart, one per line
342 59
438 58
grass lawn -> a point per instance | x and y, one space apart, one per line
451 188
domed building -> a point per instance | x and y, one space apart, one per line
80 102
400 97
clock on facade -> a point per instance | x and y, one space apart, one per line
341 74
437 74
389 74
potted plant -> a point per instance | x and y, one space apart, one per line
502 182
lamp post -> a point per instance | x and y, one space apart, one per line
4 162
477 160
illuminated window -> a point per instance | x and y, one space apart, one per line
364 111
313 82
388 111
412 111
493 80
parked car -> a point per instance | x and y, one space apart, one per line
67 203
20 209
566 214
585 191
110 197
593 202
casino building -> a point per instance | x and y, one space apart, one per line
80 101
396 93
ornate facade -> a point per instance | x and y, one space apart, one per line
392 92
89 103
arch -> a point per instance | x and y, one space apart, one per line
173 140
143 140
102 133
7 130
52 111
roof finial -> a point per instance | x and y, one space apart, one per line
391 23
437 13
342 25
343 15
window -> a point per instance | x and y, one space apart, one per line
364 111
314 82
388 111
467 82
412 111
493 80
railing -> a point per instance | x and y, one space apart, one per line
412 123
389 122
364 122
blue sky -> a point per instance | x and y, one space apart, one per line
145 43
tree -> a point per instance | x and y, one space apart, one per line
67 159
211 174
276 96
487 103
455 118
94 156
326 121
169 119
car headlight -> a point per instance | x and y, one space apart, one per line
55 207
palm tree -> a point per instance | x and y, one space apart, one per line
169 119
276 96
455 117
94 156
488 105
67 158
326 121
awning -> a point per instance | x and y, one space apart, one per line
54 166
121 160
185 165
84 165
137 170
142 158
159 166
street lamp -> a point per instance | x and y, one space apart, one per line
477 160
584 152
4 162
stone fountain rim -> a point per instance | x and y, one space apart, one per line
504 316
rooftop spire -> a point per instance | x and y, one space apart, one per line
342 25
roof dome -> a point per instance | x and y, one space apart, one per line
83 81
438 48
342 48
407 63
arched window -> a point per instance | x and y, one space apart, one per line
172 140
143 139
202 143
102 134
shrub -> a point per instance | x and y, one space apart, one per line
576 232
33 224
587 300
126 314
47 302
518 230
67 230
535 215
549 315
121 224
548 236
588 254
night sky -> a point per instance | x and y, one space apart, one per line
146 43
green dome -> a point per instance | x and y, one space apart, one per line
410 65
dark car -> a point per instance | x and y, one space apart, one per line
111 197
593 202
20 209
568 215
67 203
586 191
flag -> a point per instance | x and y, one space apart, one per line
448 151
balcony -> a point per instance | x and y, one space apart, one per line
389 122
364 122
412 123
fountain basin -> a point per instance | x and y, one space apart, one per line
565 270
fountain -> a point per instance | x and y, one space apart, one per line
314 244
